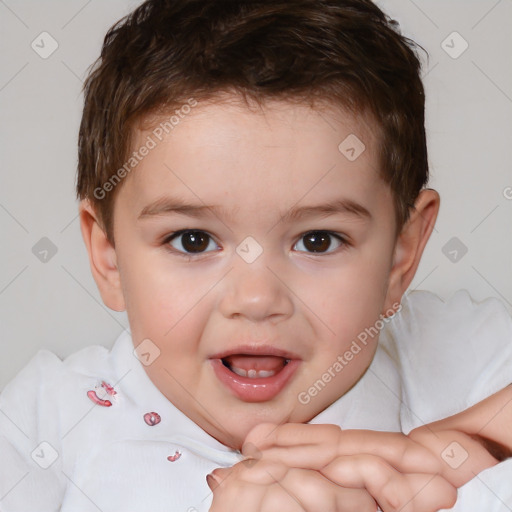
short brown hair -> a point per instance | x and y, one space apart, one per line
347 52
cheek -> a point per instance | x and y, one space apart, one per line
158 297
353 298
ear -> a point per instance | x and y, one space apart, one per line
410 244
102 258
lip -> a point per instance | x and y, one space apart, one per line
257 389
256 350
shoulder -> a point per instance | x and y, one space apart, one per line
425 313
41 389
46 368
38 407
429 326
450 353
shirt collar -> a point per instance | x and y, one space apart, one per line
372 403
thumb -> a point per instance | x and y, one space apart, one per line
216 477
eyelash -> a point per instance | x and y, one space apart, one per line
342 240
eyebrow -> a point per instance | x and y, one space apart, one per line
170 206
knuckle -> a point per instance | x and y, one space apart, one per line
419 434
333 429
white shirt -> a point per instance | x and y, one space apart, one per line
60 450
451 356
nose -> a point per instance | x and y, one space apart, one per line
255 292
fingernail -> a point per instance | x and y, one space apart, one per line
211 481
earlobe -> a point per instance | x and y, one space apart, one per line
410 245
102 258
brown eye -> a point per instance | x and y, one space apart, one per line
192 242
320 241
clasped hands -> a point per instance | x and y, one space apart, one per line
321 468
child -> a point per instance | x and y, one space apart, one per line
251 181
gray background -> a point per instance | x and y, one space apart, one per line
50 300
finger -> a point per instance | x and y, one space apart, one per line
266 435
262 431
278 499
315 493
237 495
262 473
288 489
454 445
425 493
315 447
253 489
305 457
249 497
393 490
217 476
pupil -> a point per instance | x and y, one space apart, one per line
318 242
195 241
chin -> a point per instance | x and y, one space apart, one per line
241 424
235 437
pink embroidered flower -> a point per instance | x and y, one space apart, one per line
108 388
101 393
175 457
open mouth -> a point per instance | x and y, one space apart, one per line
254 366
255 377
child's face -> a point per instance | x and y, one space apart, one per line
255 182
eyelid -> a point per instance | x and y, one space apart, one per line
179 232
340 236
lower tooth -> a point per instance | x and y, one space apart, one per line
263 373
252 374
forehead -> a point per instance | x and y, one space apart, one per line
228 153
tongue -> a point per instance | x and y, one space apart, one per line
266 363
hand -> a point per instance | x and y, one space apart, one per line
272 486
399 473
314 446
395 469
